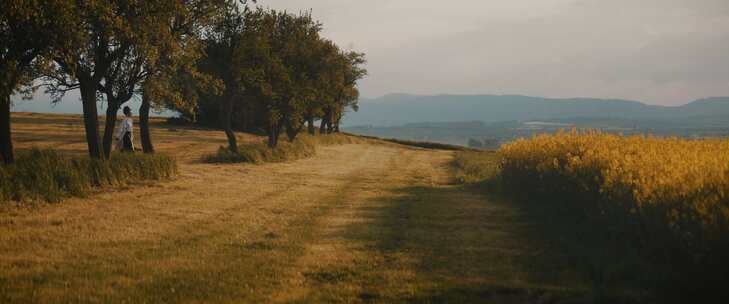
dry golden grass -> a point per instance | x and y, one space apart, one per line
355 223
66 133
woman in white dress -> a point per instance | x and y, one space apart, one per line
125 135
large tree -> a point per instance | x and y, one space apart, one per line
118 87
97 37
324 78
281 74
348 94
111 47
165 46
175 86
346 70
173 80
27 29
276 67
222 42
302 54
259 68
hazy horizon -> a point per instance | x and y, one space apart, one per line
71 103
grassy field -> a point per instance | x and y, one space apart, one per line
354 223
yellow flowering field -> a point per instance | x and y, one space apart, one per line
671 185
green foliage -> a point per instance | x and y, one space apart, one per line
277 71
27 28
45 175
173 53
302 147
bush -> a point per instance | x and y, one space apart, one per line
304 146
473 167
45 175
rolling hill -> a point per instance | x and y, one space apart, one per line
400 109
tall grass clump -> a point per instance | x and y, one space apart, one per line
668 195
46 175
477 168
302 147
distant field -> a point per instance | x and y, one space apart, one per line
490 135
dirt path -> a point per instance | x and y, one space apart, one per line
356 223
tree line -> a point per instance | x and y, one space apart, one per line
217 62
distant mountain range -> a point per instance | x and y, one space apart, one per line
400 109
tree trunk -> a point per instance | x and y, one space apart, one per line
330 121
271 140
329 125
6 141
310 125
91 119
323 125
338 118
225 117
277 135
291 134
273 132
324 122
144 125
111 111
293 130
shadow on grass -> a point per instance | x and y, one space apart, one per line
465 247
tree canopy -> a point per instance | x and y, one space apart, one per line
280 74
27 31
216 62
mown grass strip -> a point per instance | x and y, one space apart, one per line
46 175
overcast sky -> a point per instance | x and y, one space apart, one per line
665 52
